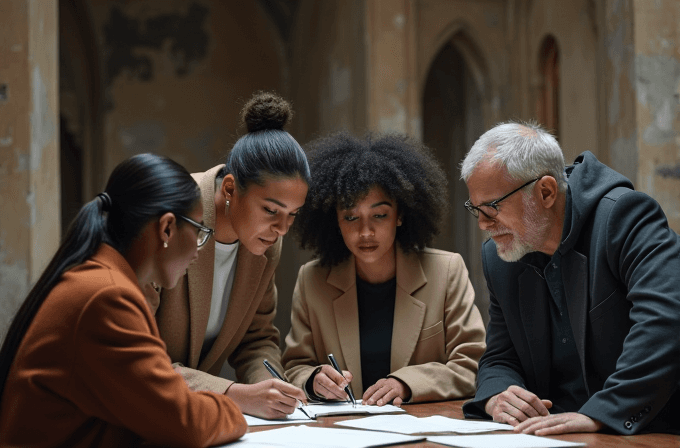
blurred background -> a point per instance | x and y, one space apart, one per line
87 83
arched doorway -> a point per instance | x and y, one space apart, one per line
452 121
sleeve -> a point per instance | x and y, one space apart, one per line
260 342
123 375
645 255
299 357
464 338
198 380
499 367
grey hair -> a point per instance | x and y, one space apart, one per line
526 150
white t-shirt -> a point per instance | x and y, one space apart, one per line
223 279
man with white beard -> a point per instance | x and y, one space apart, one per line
584 281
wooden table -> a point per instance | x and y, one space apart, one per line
452 409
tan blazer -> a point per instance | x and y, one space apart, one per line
437 338
92 371
248 334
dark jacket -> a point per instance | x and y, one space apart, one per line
620 266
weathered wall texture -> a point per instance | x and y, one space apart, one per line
170 76
177 73
657 86
29 157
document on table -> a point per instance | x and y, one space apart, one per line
341 407
309 436
321 410
502 441
408 424
294 418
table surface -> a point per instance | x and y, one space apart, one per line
452 409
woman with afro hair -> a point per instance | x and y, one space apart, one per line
398 316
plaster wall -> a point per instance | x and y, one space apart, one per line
177 74
657 88
29 157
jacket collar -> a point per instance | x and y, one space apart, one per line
409 313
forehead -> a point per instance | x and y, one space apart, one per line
373 195
290 191
488 182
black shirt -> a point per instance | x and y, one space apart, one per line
376 319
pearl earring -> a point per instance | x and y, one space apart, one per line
227 203
165 244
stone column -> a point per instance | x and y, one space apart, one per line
393 91
29 150
640 79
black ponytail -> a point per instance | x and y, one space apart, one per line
140 189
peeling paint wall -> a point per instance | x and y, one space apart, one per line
29 164
177 73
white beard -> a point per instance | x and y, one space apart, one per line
535 232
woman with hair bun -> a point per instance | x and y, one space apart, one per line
83 364
223 309
398 316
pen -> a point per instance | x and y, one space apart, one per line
276 375
335 365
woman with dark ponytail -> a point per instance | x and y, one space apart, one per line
223 309
83 363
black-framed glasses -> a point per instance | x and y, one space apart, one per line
203 231
490 210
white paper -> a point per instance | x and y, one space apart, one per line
296 417
309 436
409 424
502 441
335 408
322 410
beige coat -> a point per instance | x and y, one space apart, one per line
437 338
248 334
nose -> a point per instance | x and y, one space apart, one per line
366 229
484 221
282 225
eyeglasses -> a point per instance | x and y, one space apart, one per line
490 210
203 231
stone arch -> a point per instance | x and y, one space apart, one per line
454 94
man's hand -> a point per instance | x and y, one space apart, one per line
271 399
386 390
329 384
559 424
516 405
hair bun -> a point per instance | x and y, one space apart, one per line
266 110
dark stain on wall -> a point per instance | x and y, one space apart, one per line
123 35
669 171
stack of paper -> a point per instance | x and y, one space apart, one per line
408 424
324 409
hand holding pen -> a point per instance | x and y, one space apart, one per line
348 391
278 376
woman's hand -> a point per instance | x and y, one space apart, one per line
387 390
271 399
329 384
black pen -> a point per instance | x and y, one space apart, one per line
335 365
278 376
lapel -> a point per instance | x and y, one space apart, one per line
200 274
346 312
576 295
409 312
535 315
247 281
